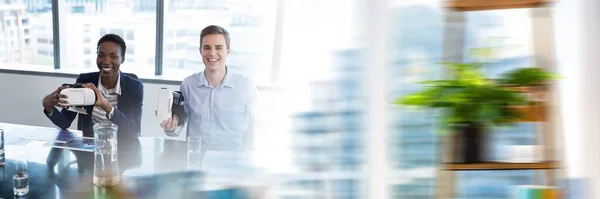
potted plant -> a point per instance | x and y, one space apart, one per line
470 103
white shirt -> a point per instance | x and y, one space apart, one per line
221 115
112 96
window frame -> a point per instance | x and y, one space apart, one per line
59 9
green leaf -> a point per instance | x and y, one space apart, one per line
467 96
527 76
415 100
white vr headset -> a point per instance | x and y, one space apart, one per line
169 103
77 97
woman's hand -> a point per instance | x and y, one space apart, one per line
100 101
54 99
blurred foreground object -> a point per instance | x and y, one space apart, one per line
471 104
523 88
537 192
477 5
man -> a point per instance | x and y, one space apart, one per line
219 104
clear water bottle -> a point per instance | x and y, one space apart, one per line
106 168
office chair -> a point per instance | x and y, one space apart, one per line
131 75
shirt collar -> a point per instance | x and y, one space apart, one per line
203 81
117 87
227 81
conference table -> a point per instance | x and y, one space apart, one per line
150 167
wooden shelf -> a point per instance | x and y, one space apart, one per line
477 5
546 132
500 166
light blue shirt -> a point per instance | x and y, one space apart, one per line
220 116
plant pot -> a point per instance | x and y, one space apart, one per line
530 113
469 143
534 93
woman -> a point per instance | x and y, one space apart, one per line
119 97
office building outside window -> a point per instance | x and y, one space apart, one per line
19 33
250 23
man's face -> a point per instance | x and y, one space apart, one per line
214 51
109 58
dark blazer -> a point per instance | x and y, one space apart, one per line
127 116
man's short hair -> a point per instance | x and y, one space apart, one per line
117 40
214 29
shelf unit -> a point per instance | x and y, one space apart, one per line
546 118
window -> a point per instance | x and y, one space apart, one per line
77 9
181 33
177 63
119 32
25 21
130 35
151 61
180 46
328 133
86 28
140 23
254 40
26 31
298 28
416 50
45 53
195 32
193 48
130 50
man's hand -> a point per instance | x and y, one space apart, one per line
54 99
100 101
170 124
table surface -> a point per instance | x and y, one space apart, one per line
150 168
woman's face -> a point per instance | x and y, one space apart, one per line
109 58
